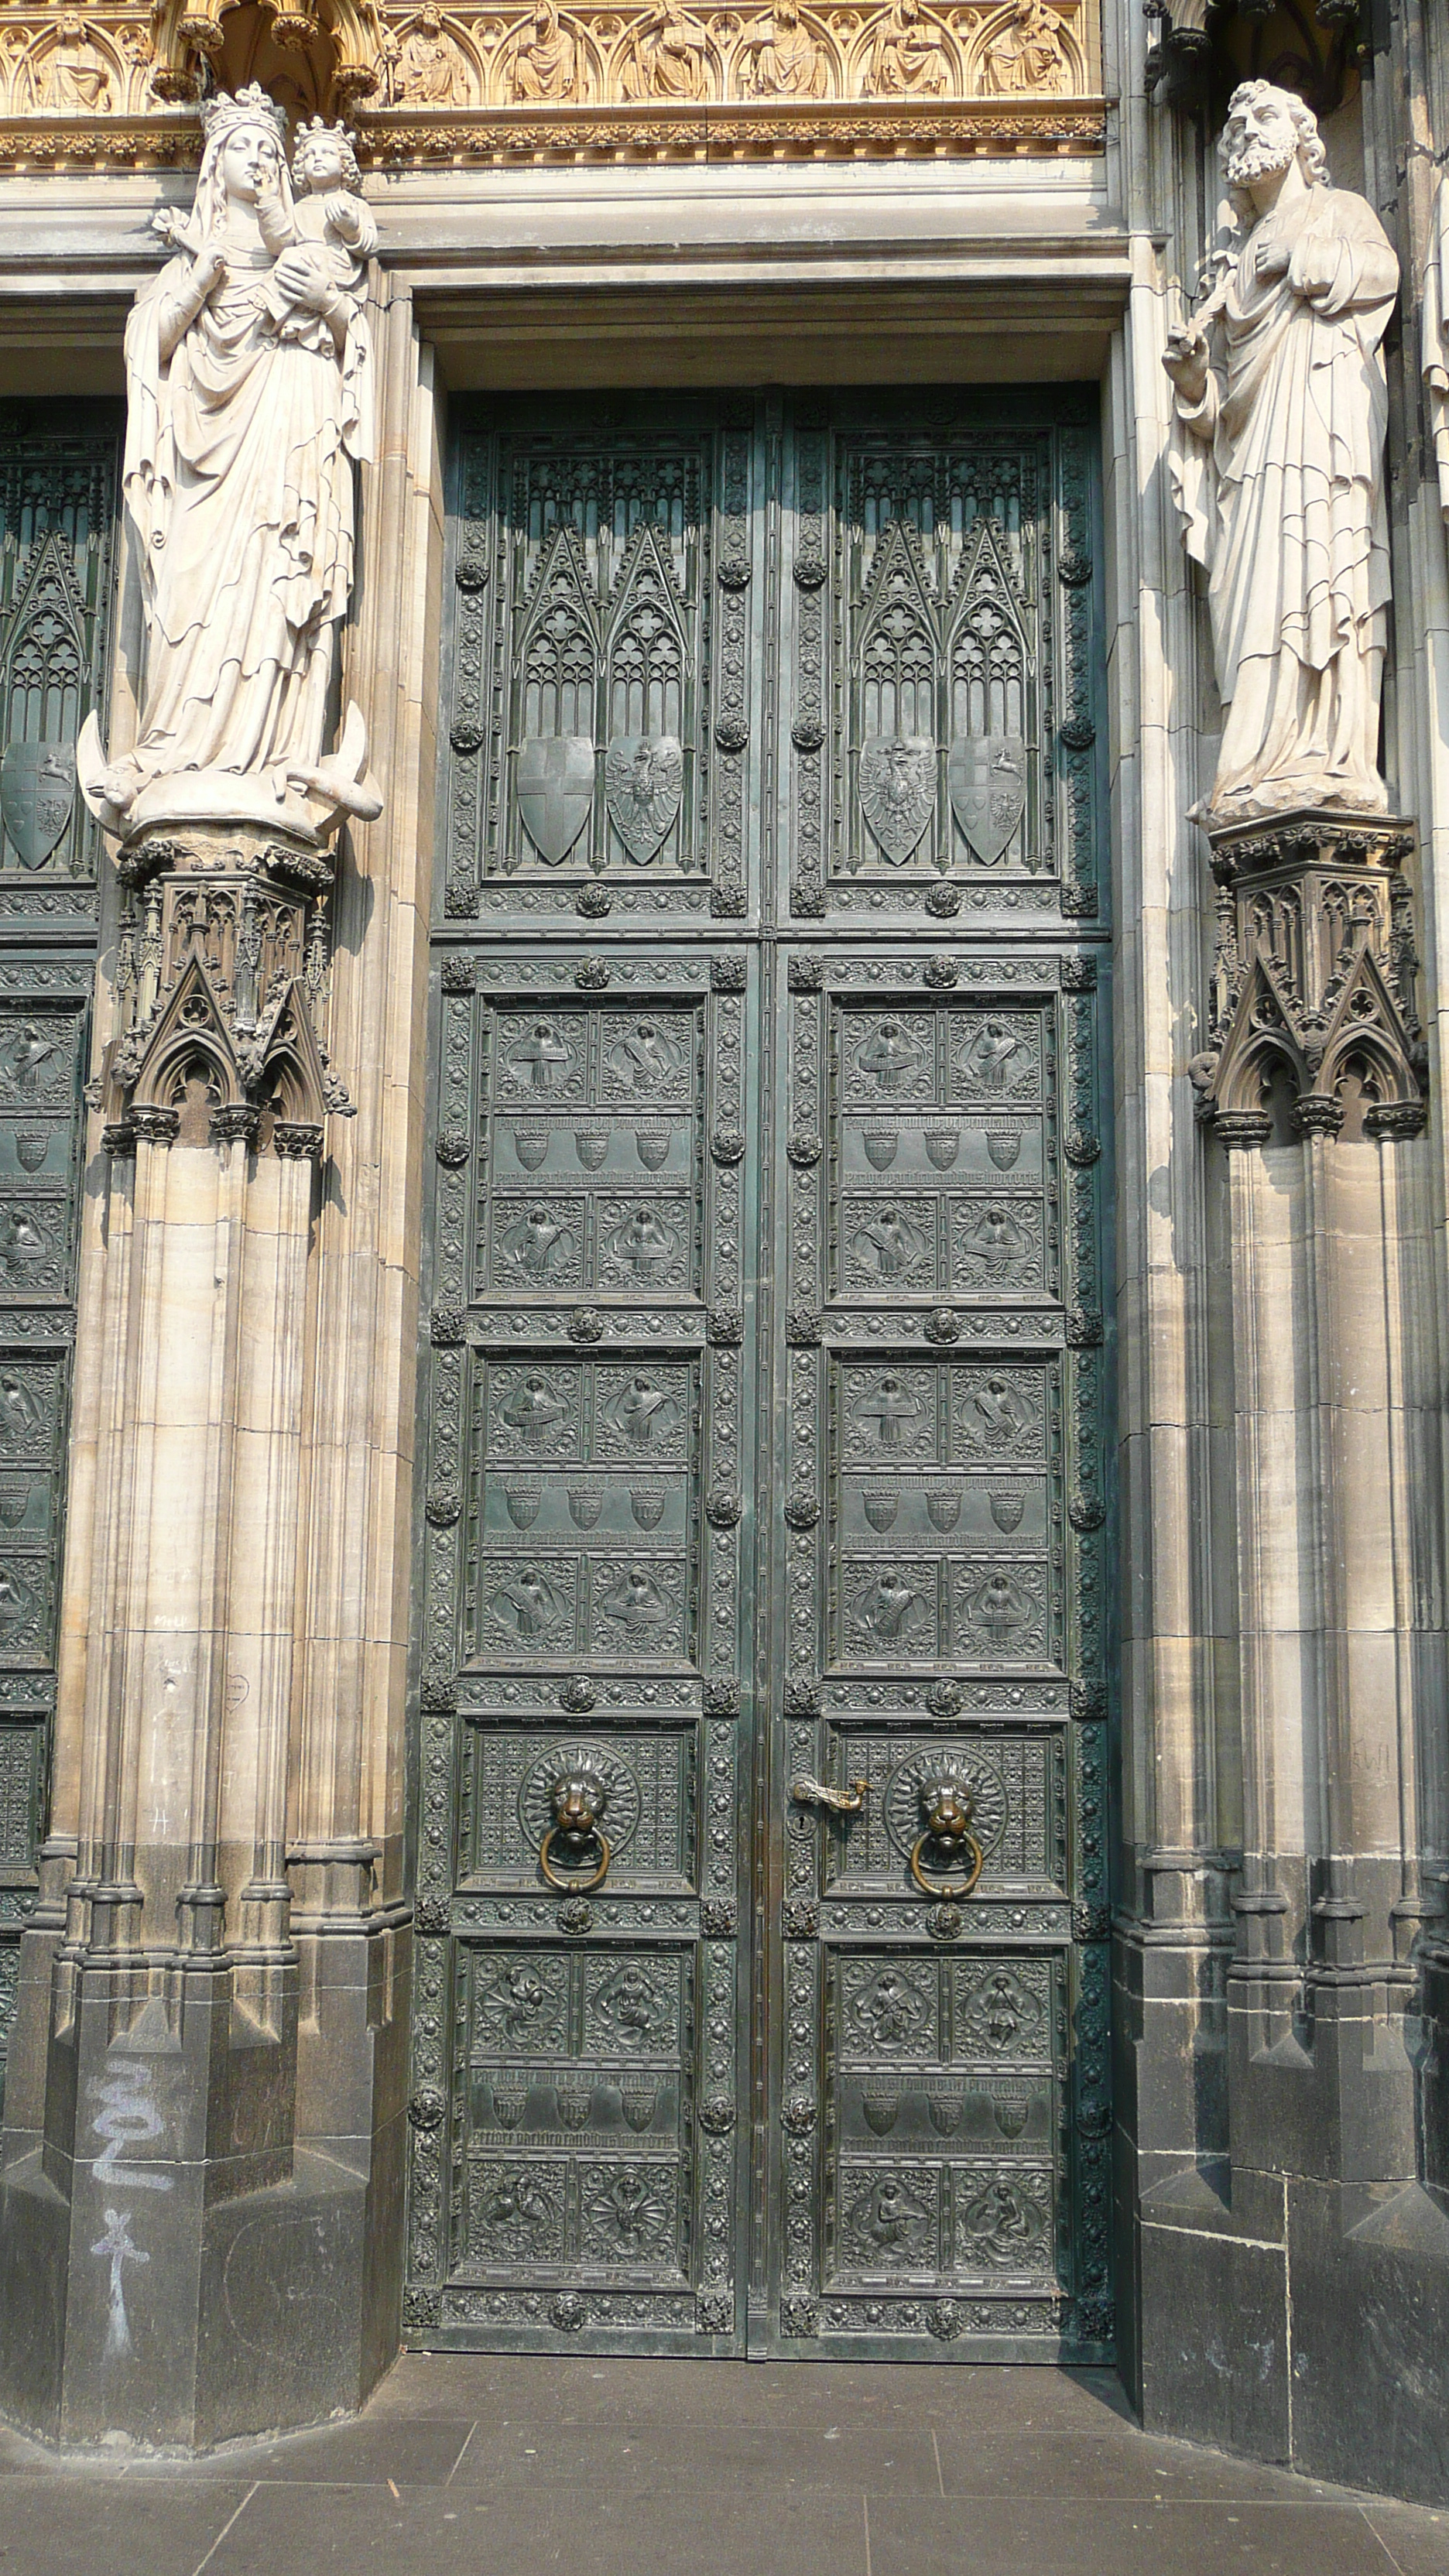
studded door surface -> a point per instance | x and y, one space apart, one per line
58 478
760 1962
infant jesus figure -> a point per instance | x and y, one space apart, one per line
328 221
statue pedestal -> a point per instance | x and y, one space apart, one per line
182 2253
1313 979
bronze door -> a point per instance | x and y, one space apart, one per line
760 1970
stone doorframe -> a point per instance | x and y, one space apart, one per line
1226 2105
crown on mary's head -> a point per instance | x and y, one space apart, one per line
251 106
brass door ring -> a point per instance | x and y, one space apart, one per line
946 1887
572 1885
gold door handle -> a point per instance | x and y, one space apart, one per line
966 1853
575 1885
836 1802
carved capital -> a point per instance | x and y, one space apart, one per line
1313 979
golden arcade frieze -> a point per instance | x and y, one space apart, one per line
651 79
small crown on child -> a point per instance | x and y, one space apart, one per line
339 133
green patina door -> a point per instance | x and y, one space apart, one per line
58 491
761 1969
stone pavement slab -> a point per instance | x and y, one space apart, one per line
475 2466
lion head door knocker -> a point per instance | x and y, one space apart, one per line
578 1799
949 1807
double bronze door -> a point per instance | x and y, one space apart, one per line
760 1971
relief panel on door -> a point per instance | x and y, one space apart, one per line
943 634
602 664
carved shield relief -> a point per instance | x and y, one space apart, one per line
555 792
898 790
644 785
37 793
986 778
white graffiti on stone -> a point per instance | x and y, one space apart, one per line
116 2243
128 2116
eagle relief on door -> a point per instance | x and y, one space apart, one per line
760 1961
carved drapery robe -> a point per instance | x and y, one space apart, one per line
238 476
1278 473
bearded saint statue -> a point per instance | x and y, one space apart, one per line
1277 468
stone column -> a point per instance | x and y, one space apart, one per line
1313 2231
200 2233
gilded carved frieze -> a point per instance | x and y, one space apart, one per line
496 82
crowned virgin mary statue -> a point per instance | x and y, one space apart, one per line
247 366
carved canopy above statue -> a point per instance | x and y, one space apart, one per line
500 81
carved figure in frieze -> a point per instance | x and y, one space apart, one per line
22 1410
527 1604
241 436
890 1057
889 2008
889 1409
886 1606
1024 54
644 1242
635 1603
429 71
513 2216
630 2213
780 58
908 58
541 1059
537 1245
1278 467
995 1241
887 1245
642 1412
24 1243
668 57
1002 1414
1000 1606
133 44
987 1061
1004 2224
543 62
889 2224
22 1057
645 1058
532 1408
19 1605
72 79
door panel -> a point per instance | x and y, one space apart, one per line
940 2085
576 2139
58 479
761 1919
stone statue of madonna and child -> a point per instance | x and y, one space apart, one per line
247 367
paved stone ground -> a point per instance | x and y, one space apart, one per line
465 2467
